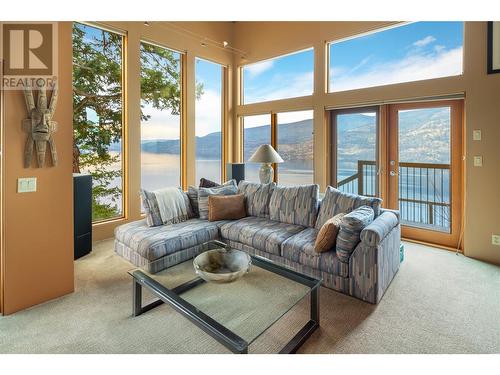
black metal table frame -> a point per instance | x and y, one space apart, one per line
222 334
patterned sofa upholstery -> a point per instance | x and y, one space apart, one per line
283 227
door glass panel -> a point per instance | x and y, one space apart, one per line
424 168
356 138
295 146
256 132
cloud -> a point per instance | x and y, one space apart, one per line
414 67
425 41
253 70
281 87
208 113
161 125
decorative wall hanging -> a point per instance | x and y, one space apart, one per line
493 47
39 126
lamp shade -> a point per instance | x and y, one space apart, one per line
265 154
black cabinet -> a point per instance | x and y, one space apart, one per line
82 211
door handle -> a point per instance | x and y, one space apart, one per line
392 173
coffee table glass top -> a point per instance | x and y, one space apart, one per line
247 306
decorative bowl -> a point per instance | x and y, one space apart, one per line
222 265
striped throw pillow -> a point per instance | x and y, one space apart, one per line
350 230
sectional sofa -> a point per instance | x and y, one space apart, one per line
282 225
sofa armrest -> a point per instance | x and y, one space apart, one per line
376 231
395 212
372 268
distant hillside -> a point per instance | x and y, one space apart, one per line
424 136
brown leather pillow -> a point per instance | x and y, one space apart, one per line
327 236
226 207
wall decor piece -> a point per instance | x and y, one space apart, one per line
39 126
493 47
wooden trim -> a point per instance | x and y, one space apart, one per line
442 247
124 140
383 161
452 239
225 124
2 169
183 130
274 141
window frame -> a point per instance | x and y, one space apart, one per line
376 30
224 117
273 116
241 78
183 120
124 122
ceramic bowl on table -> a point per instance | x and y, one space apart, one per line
222 265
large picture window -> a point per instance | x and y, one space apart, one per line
256 132
283 77
295 146
98 116
412 52
209 118
161 91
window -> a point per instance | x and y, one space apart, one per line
208 129
412 52
279 78
295 146
161 88
354 153
98 116
256 132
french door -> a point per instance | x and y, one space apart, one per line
425 169
411 156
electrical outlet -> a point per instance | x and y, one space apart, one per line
495 239
478 161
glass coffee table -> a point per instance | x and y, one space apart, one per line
236 313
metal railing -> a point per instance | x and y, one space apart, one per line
424 191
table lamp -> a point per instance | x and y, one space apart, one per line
266 155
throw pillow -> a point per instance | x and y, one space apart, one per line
335 202
229 188
327 236
153 218
226 207
193 199
207 183
350 229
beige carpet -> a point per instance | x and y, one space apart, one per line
438 302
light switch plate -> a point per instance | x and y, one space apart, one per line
476 135
495 239
26 185
478 161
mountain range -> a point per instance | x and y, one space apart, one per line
423 136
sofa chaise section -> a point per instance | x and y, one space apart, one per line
174 243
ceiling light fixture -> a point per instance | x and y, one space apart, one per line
146 23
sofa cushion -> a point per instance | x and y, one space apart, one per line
208 183
350 228
192 194
300 249
261 233
295 204
151 209
155 242
336 202
229 188
257 197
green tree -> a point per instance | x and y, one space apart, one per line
98 105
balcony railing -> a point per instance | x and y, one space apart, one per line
424 191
